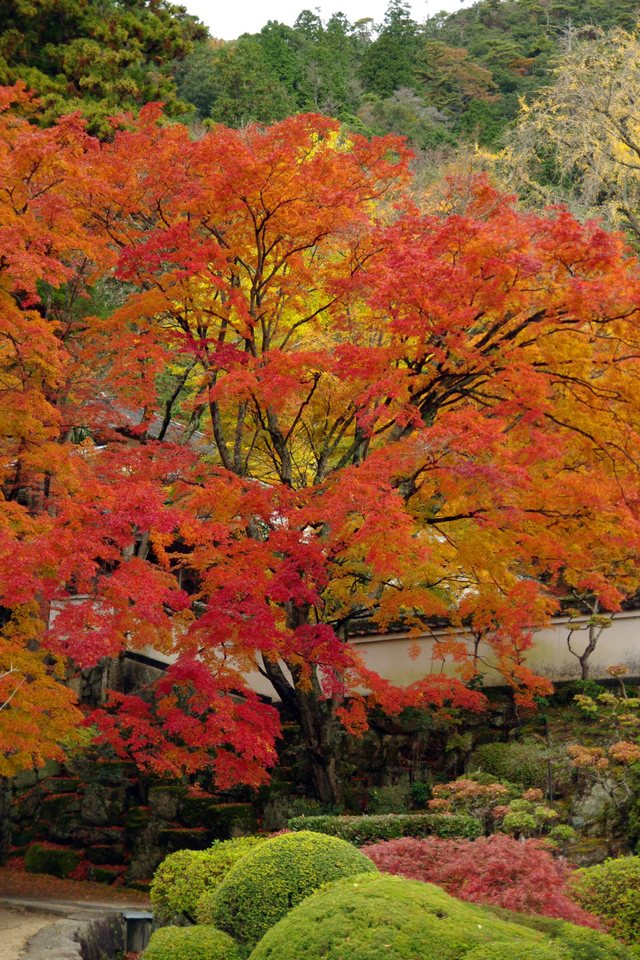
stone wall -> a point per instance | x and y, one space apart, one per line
99 820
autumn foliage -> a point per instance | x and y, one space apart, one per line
252 395
519 875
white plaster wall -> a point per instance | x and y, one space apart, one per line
549 656
390 654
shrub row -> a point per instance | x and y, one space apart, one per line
369 829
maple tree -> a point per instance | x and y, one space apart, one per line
611 763
519 875
70 511
306 404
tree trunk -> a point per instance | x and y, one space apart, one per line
5 824
318 725
319 731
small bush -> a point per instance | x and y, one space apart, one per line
183 877
490 870
393 798
275 877
190 943
385 918
369 829
521 763
611 890
58 862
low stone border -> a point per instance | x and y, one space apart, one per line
79 939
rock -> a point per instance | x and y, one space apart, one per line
164 801
105 855
101 804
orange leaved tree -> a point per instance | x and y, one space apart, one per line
308 404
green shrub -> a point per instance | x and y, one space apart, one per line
55 861
611 890
521 763
393 798
582 943
519 823
190 943
419 793
385 918
183 877
276 876
516 951
578 943
369 829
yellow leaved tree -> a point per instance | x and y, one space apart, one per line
579 142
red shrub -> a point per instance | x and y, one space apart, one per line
516 874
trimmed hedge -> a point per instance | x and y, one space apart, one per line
385 918
190 943
611 890
273 878
369 829
183 877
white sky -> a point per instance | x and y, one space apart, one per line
229 18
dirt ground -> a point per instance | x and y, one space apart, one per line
17 926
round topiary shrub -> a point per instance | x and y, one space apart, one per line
516 951
386 918
611 890
190 943
183 877
276 876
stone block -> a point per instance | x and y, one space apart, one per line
62 784
164 801
136 822
60 805
231 820
61 830
172 839
104 771
26 806
98 836
106 855
102 804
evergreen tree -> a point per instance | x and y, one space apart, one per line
389 63
96 56
233 84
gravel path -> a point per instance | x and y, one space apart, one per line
17 926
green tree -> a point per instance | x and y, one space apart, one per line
389 63
233 84
99 57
